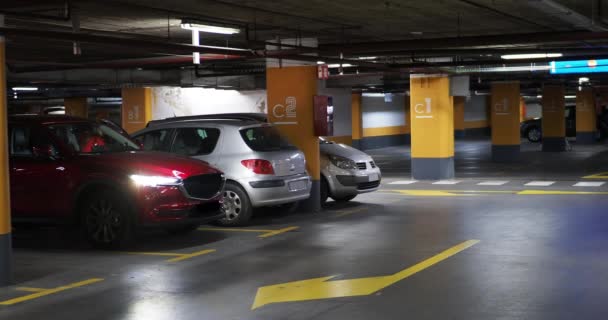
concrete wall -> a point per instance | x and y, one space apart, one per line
342 114
384 123
476 122
176 101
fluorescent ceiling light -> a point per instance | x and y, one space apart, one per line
320 62
531 56
337 65
583 80
25 89
210 29
373 94
570 97
368 58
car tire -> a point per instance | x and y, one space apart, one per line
237 206
107 220
533 134
344 199
181 229
324 190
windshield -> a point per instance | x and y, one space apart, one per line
265 138
87 137
324 141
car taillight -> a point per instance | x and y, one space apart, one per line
258 166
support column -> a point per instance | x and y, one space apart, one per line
432 127
76 107
586 117
136 109
459 117
5 207
553 122
357 122
290 107
504 110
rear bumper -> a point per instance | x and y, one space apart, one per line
272 190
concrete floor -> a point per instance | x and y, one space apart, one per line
538 256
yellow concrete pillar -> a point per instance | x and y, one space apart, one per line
586 122
357 120
504 110
432 127
553 122
76 107
459 116
5 206
290 93
136 108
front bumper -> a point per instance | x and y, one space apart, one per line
202 213
273 190
351 182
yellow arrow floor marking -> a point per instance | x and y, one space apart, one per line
321 288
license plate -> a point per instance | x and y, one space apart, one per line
297 185
373 177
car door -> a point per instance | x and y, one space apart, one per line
198 142
36 181
155 140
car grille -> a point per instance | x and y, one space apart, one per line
361 165
368 185
204 186
372 164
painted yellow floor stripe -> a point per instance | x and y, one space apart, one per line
343 213
178 256
191 255
601 175
551 192
266 232
49 291
30 289
454 193
275 232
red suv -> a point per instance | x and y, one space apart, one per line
65 169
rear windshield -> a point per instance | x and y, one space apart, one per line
265 138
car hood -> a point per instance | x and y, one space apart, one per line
342 150
151 163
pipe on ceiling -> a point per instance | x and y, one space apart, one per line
369 48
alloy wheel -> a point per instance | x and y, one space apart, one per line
232 205
103 221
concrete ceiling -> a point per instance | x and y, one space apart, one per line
338 25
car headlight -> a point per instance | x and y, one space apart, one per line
153 181
342 163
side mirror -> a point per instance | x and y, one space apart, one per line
44 152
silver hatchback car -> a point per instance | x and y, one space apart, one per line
261 168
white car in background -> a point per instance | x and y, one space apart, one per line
346 172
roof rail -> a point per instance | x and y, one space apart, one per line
261 117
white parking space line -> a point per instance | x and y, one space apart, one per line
492 183
446 182
540 183
589 184
404 182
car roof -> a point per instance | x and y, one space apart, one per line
240 119
44 119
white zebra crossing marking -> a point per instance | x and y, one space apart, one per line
589 184
404 182
446 182
492 183
540 183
